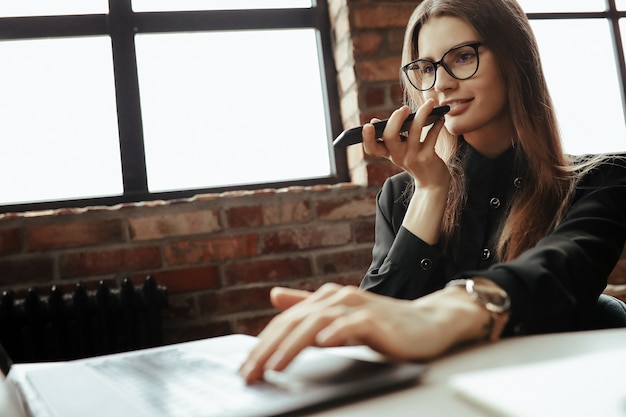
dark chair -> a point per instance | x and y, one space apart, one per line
608 313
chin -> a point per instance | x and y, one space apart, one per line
454 128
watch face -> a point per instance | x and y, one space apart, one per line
495 299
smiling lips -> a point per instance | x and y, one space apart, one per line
456 106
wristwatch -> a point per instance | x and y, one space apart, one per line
493 298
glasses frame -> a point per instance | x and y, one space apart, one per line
441 63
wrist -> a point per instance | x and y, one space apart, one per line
471 321
424 214
491 299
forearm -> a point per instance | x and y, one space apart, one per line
424 214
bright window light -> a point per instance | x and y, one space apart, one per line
58 120
582 77
547 6
178 5
228 108
14 8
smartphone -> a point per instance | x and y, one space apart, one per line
352 136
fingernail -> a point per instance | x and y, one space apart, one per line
274 361
246 369
322 337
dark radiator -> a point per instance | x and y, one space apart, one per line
63 326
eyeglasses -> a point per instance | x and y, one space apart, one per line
460 62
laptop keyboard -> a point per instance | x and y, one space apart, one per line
202 387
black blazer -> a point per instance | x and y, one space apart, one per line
552 286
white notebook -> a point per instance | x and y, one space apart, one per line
198 379
581 386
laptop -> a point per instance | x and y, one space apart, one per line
200 379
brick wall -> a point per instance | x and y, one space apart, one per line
220 254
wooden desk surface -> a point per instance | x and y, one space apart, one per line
432 396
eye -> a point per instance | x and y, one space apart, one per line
425 67
463 55
466 56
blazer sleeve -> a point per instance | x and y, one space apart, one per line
403 265
554 285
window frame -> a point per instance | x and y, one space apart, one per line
613 16
121 24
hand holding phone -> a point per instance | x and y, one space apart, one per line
354 135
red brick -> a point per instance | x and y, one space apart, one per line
211 249
10 241
181 306
364 231
374 96
396 94
235 300
366 44
189 279
253 325
239 217
385 69
175 224
378 171
349 260
306 238
26 270
287 212
271 270
112 261
382 17
54 236
394 41
337 209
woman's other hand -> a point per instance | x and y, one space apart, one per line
414 153
336 316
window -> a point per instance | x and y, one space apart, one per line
130 100
585 71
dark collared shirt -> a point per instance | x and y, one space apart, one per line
552 286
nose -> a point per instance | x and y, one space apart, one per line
443 80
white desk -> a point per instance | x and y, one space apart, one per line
433 396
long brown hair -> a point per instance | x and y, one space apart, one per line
547 172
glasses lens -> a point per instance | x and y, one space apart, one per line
461 62
421 74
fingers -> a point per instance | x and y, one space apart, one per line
272 338
390 141
430 139
303 335
395 147
283 298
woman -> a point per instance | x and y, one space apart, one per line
490 230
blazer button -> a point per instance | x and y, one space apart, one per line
486 254
494 203
518 182
426 264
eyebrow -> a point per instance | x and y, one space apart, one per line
450 48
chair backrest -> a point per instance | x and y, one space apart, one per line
608 313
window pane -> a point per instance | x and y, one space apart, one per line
621 4
176 5
586 94
546 6
216 116
12 8
58 121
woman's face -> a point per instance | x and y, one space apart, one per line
477 104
